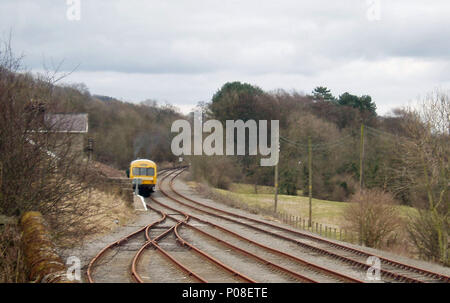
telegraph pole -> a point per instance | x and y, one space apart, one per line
276 187
276 173
361 159
90 148
310 180
361 173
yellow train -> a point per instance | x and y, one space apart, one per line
144 174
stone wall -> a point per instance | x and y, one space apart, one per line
42 261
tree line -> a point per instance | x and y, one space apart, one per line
123 131
405 153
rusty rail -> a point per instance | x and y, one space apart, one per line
110 246
153 242
303 262
238 249
386 273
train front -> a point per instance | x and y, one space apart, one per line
143 173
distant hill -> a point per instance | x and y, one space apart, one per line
104 98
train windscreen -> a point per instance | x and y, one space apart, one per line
143 171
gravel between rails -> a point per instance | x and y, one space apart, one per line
162 270
156 268
270 241
270 256
335 250
247 265
273 242
206 269
114 265
275 260
185 190
312 243
118 271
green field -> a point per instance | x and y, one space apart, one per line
323 211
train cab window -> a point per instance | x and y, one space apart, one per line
142 171
136 171
150 171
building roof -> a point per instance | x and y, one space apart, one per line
71 123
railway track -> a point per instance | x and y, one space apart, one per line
109 254
210 271
213 269
281 262
163 253
391 270
293 277
194 241
126 246
227 251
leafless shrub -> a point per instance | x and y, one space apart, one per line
12 268
373 215
424 232
218 171
343 187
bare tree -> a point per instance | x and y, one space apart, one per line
40 170
373 215
426 171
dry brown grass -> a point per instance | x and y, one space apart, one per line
104 212
12 268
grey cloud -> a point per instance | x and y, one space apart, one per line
210 36
182 51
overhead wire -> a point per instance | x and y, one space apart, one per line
319 146
326 145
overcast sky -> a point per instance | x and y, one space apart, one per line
182 52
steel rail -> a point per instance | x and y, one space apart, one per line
385 260
153 242
218 262
395 276
303 262
112 245
262 260
313 267
106 248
